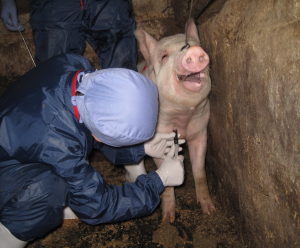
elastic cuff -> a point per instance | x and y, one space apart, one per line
157 181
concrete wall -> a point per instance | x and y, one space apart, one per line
253 153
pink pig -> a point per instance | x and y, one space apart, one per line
183 82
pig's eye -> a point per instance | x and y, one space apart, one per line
164 56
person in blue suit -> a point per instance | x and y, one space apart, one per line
62 26
50 119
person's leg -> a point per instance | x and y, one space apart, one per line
38 206
57 28
109 30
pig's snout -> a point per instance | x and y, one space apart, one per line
195 59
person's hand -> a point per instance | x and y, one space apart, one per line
9 15
160 144
171 171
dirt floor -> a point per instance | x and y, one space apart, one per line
191 229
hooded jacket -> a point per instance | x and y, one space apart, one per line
38 126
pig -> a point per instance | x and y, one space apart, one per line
181 74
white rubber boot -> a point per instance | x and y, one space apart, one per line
68 214
7 240
134 170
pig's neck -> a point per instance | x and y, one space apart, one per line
171 114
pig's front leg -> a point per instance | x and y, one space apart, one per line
134 170
167 197
197 151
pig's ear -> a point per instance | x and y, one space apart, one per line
146 42
191 29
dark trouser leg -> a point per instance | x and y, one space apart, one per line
51 39
57 28
109 30
38 207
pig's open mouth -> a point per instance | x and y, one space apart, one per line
194 77
192 82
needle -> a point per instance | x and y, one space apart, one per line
26 45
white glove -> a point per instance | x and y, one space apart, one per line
160 144
9 15
171 171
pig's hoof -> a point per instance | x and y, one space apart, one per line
208 209
168 217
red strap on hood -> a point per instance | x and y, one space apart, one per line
74 80
145 67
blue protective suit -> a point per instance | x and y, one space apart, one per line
62 26
43 151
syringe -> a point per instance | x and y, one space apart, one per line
176 141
